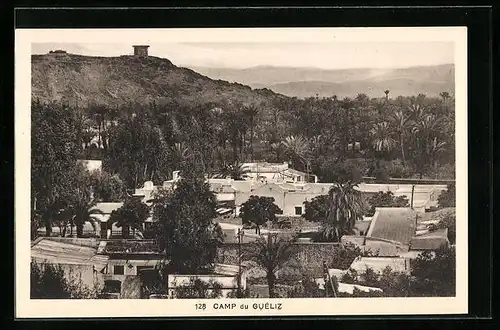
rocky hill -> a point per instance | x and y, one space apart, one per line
128 79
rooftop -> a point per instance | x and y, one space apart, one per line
265 167
347 288
430 241
129 247
378 264
47 250
394 224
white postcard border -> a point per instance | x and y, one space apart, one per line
27 308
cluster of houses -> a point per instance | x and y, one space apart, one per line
396 234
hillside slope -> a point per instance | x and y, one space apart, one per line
125 79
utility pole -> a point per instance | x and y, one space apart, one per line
328 280
240 234
325 278
412 192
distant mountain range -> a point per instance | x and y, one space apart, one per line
306 82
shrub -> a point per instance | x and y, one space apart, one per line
435 272
446 171
381 174
345 255
399 171
386 199
449 222
308 288
447 197
50 282
197 288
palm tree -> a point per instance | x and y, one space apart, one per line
180 152
445 96
298 147
235 127
271 254
83 212
251 112
424 134
316 142
98 112
236 171
400 121
344 209
386 92
437 147
416 110
383 142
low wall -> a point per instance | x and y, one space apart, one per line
309 257
89 242
368 179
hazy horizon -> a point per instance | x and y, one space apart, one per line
233 55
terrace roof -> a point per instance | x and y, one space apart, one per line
394 224
50 251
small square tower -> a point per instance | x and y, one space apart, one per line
141 50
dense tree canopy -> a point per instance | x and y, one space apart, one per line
259 210
131 215
339 140
386 199
316 209
187 232
144 142
108 187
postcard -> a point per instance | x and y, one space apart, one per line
240 172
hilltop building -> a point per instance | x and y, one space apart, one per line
141 50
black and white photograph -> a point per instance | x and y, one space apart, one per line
198 166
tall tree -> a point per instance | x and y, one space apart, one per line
108 187
236 171
271 253
298 150
54 151
345 207
138 152
251 113
187 234
317 209
259 210
99 112
445 96
386 92
81 200
400 123
425 132
383 142
131 215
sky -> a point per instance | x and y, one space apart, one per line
331 55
